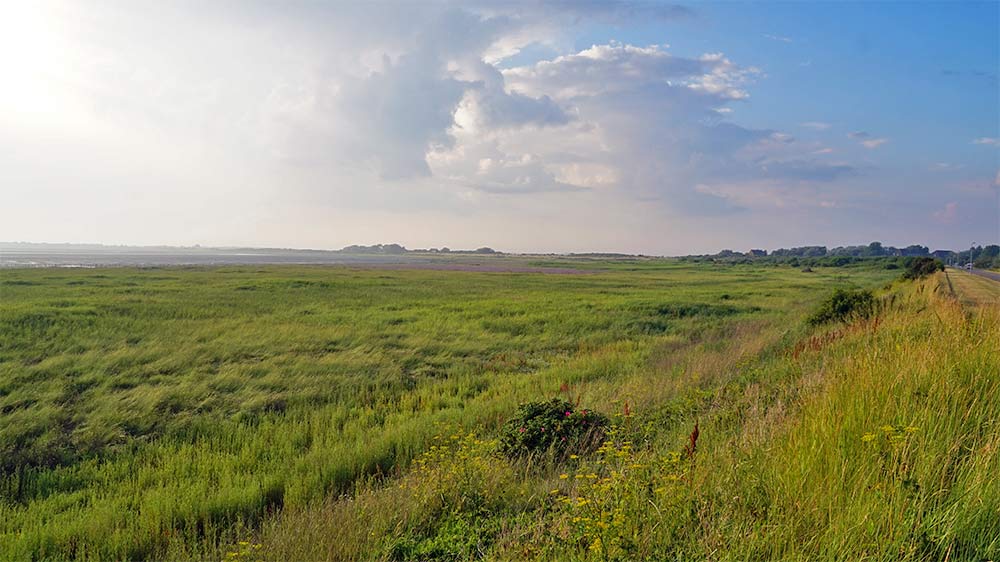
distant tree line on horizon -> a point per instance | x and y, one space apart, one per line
982 257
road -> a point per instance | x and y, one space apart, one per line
987 274
983 273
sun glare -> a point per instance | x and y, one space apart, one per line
34 55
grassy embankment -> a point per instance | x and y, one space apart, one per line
175 413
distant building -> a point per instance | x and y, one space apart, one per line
757 253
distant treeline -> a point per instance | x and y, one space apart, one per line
984 257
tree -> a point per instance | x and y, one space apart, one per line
916 250
875 249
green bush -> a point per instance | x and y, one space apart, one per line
844 305
554 425
922 267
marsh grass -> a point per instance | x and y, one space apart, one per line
331 413
878 444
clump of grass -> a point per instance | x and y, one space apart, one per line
842 305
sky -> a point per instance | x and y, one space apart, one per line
545 126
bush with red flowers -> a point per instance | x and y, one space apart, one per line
556 426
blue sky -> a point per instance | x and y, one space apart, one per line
534 126
924 73
901 67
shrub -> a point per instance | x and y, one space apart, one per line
922 267
844 305
553 425
838 261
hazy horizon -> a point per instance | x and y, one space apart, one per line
546 127
447 247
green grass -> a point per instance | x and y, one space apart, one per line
172 413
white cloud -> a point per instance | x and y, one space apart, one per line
778 38
944 167
874 143
989 141
947 214
815 125
603 69
866 140
645 122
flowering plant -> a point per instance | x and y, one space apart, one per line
554 425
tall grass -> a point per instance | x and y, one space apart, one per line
178 412
875 440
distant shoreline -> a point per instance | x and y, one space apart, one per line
31 255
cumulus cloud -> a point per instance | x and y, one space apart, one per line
618 116
616 68
488 105
406 101
988 141
648 123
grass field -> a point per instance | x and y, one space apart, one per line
334 413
